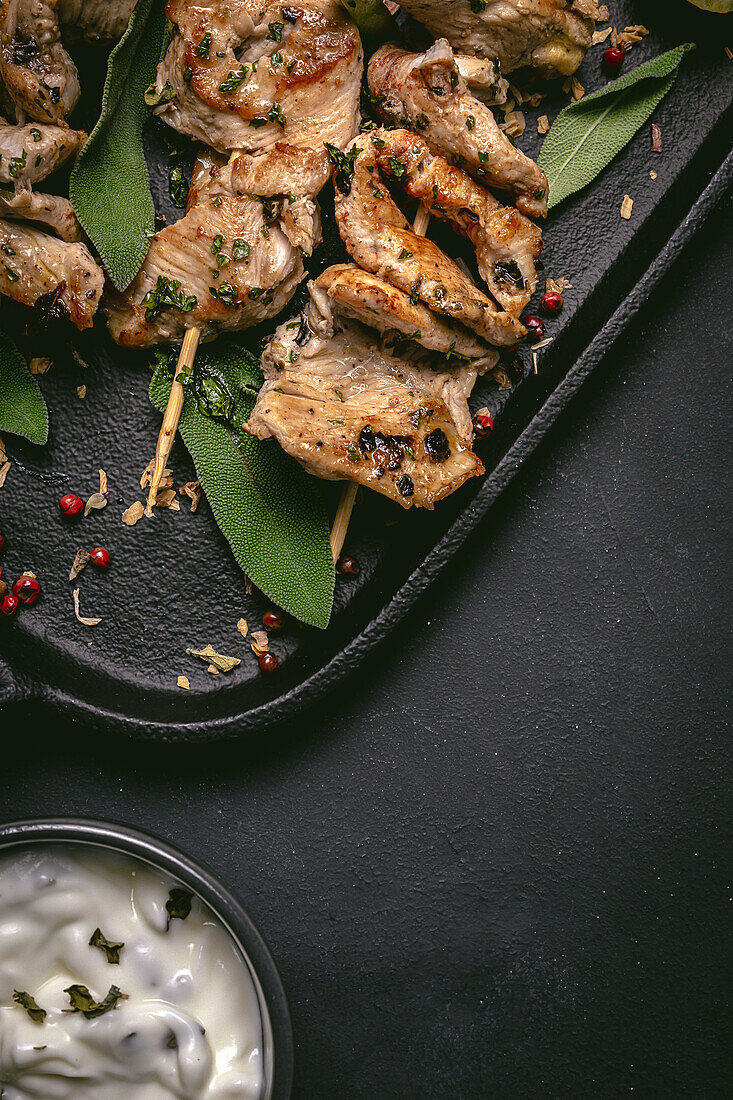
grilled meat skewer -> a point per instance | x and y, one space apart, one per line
243 74
95 21
380 239
348 410
61 280
553 36
39 78
506 243
235 258
427 94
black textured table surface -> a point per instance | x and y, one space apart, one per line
495 863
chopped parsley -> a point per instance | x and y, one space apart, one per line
275 31
154 98
422 122
471 122
276 115
344 164
204 45
226 293
167 294
405 255
35 133
483 157
177 186
398 168
234 80
16 163
240 249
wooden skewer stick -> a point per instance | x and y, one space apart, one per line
174 408
343 516
172 413
350 489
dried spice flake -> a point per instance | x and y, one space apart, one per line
39 365
84 620
626 207
183 682
81 392
656 138
208 653
80 562
192 490
260 643
82 1001
111 950
132 514
543 124
601 36
242 627
38 1015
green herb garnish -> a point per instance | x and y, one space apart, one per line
178 904
81 1000
111 950
38 1015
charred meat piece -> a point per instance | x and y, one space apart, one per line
551 35
40 79
380 239
347 410
95 21
361 296
61 280
427 94
244 74
507 244
235 258
30 153
53 212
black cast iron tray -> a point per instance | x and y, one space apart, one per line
174 583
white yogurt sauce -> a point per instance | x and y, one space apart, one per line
190 1026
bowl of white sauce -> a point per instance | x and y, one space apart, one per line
127 972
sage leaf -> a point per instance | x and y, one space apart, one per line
587 135
269 509
110 186
22 408
38 1015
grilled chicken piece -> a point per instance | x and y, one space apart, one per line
364 297
30 153
551 35
507 244
427 94
380 239
62 280
481 75
51 211
347 409
40 79
246 74
235 258
95 21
